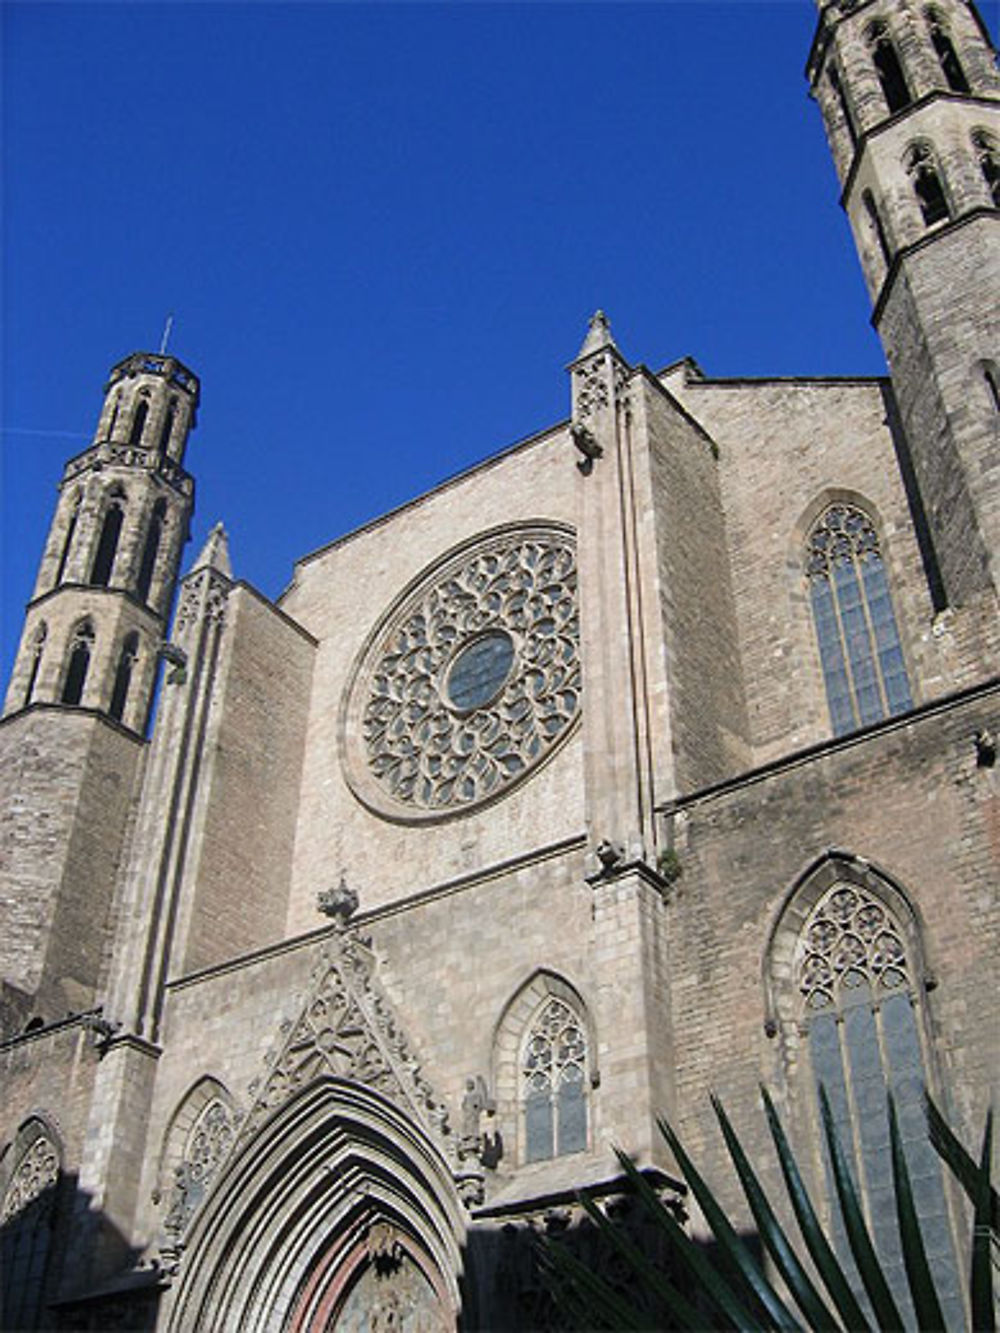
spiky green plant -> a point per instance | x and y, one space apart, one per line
733 1290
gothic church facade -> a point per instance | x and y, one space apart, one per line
653 756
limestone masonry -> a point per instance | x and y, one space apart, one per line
654 756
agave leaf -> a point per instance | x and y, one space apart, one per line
959 1161
772 1233
713 1284
731 1248
869 1268
591 1296
684 1314
925 1300
827 1264
981 1279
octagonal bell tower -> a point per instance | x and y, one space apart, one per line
104 586
71 734
910 96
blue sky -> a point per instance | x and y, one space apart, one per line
382 229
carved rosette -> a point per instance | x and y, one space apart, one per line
470 680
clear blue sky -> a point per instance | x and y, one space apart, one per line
382 228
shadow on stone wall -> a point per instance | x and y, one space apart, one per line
40 1248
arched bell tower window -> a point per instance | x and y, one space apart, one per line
987 150
123 676
68 539
27 1216
37 650
859 995
927 186
168 426
951 66
554 1082
859 646
139 422
154 534
875 224
887 67
841 96
80 649
107 546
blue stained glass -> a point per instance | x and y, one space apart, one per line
539 1145
480 670
863 667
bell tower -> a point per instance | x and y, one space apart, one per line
103 591
71 734
910 97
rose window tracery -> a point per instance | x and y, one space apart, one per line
470 681
849 940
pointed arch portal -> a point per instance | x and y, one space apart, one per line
340 1214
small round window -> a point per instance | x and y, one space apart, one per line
479 671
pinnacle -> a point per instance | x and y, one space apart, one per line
215 553
598 334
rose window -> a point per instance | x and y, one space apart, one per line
470 681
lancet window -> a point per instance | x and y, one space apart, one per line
139 422
857 986
150 549
927 186
987 150
887 67
37 649
860 651
554 1082
107 546
168 425
875 224
944 47
123 676
81 647
68 540
841 96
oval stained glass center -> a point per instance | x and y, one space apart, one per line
479 671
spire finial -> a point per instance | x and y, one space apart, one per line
215 553
167 329
598 334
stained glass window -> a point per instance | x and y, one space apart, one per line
553 1073
856 992
859 647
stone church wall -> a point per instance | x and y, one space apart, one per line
913 803
786 450
338 594
242 842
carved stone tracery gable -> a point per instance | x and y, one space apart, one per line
347 1028
198 600
592 391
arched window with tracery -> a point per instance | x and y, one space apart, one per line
554 1082
890 72
107 546
200 1138
859 992
80 649
859 647
27 1217
987 149
927 185
944 47
37 650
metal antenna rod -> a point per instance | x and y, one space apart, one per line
166 332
